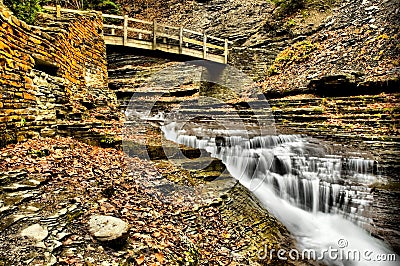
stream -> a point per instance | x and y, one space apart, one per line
323 199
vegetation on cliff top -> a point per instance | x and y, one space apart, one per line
27 10
99 5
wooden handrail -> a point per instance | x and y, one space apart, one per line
196 41
112 16
168 26
67 10
140 21
139 31
110 26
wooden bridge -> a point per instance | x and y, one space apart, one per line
150 35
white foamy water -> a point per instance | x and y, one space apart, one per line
322 199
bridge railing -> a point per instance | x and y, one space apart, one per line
158 34
131 28
127 27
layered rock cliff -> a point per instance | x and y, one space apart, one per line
53 77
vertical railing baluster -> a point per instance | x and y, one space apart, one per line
180 40
125 30
154 35
226 52
58 11
204 45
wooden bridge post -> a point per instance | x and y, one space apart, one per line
125 30
204 45
154 35
226 52
58 11
180 40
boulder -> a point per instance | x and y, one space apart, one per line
108 228
35 232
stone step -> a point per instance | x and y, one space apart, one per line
316 119
333 132
352 100
333 106
330 127
12 176
128 92
338 113
27 184
203 163
376 111
158 152
18 197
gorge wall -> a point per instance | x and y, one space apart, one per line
355 39
330 70
53 77
351 52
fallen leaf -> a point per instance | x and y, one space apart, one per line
156 234
160 257
140 260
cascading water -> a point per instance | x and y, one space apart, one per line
323 199
320 198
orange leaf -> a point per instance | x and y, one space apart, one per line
140 260
156 234
160 257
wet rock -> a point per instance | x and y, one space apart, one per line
40 245
35 232
108 229
52 260
18 187
32 209
48 132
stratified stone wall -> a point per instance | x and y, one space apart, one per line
51 74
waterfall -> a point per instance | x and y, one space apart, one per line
329 184
320 198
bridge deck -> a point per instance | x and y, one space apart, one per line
149 35
143 44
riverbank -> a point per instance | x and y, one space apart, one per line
58 183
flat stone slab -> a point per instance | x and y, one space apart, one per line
18 187
107 228
35 232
